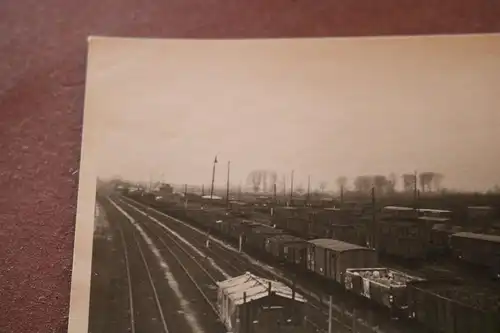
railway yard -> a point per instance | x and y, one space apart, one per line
167 264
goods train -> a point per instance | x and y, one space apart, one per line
440 305
401 232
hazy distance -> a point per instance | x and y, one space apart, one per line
323 107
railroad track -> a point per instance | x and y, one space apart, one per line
153 245
238 263
231 263
145 309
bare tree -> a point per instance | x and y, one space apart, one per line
426 180
380 183
342 182
408 182
438 181
300 189
274 177
392 181
363 183
263 180
283 184
255 179
322 186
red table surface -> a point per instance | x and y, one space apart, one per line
42 68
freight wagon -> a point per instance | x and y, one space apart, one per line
479 249
249 303
331 258
433 304
288 249
240 209
440 238
355 233
403 233
257 236
293 219
454 307
322 221
385 286
402 239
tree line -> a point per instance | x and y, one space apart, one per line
264 181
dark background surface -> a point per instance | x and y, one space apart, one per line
42 70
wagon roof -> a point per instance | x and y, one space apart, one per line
265 229
434 218
480 207
236 202
490 238
432 210
336 245
288 238
402 208
255 288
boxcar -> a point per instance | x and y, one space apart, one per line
330 258
298 225
292 219
355 233
477 249
288 249
408 240
322 221
454 307
256 238
281 214
385 286
440 237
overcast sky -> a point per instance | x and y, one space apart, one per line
323 107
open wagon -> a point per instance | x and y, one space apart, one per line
385 286
449 306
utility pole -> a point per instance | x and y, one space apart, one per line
330 315
202 190
374 222
291 188
308 188
415 190
185 196
213 179
342 194
284 186
227 189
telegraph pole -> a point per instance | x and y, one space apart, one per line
308 188
284 190
213 179
342 194
202 190
275 195
374 222
291 188
227 189
415 190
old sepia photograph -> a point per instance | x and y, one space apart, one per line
314 185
